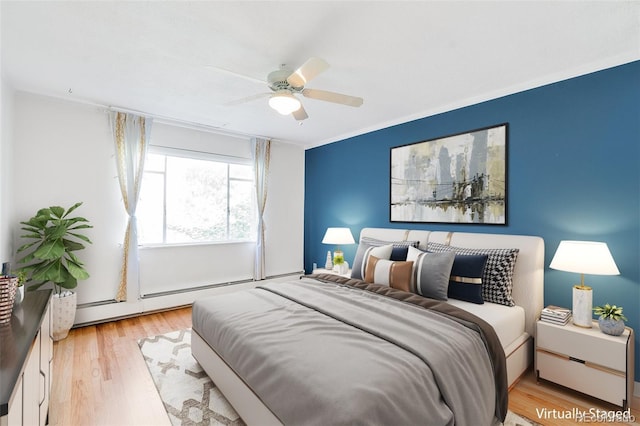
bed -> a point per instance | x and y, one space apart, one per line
331 350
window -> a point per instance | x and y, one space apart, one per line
189 197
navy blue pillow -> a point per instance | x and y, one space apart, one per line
465 282
399 253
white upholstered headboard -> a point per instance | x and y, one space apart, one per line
528 276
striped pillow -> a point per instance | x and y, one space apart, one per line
387 272
362 257
431 273
398 252
399 247
465 282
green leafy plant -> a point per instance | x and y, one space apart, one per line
338 259
609 312
50 257
21 275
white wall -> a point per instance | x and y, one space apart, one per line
62 153
6 193
284 213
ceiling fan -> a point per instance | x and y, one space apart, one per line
284 84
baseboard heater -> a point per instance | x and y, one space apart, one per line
189 289
168 293
217 285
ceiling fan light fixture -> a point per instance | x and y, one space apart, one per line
284 102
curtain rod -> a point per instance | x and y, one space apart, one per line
183 123
160 118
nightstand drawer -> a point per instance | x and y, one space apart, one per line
584 344
606 385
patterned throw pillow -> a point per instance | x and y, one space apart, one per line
497 280
386 272
465 282
431 272
398 252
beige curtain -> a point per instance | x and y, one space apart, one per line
261 157
131 135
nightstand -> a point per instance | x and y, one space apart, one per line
586 360
330 271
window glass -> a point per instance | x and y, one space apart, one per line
241 195
187 200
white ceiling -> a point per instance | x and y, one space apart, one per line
406 59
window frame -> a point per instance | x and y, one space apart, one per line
206 156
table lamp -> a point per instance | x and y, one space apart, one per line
583 257
337 236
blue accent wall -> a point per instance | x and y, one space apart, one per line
573 173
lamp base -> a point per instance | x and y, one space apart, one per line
582 306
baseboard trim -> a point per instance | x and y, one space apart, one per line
126 316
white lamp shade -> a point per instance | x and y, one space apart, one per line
284 102
338 236
584 257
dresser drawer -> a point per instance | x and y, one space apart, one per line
584 344
606 385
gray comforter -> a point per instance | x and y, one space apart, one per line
324 353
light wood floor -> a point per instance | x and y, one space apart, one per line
100 378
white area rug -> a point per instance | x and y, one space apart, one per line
189 395
515 420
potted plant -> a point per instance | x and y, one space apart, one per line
22 278
51 257
340 265
611 320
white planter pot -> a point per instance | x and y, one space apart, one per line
19 294
342 268
63 307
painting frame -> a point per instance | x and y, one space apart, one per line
457 179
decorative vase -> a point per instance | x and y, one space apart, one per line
341 268
63 307
8 286
611 326
328 264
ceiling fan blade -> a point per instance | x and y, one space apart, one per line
300 114
307 72
235 74
337 98
247 99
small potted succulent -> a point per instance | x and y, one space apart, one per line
339 264
22 278
610 319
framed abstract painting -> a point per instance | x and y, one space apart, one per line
461 178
